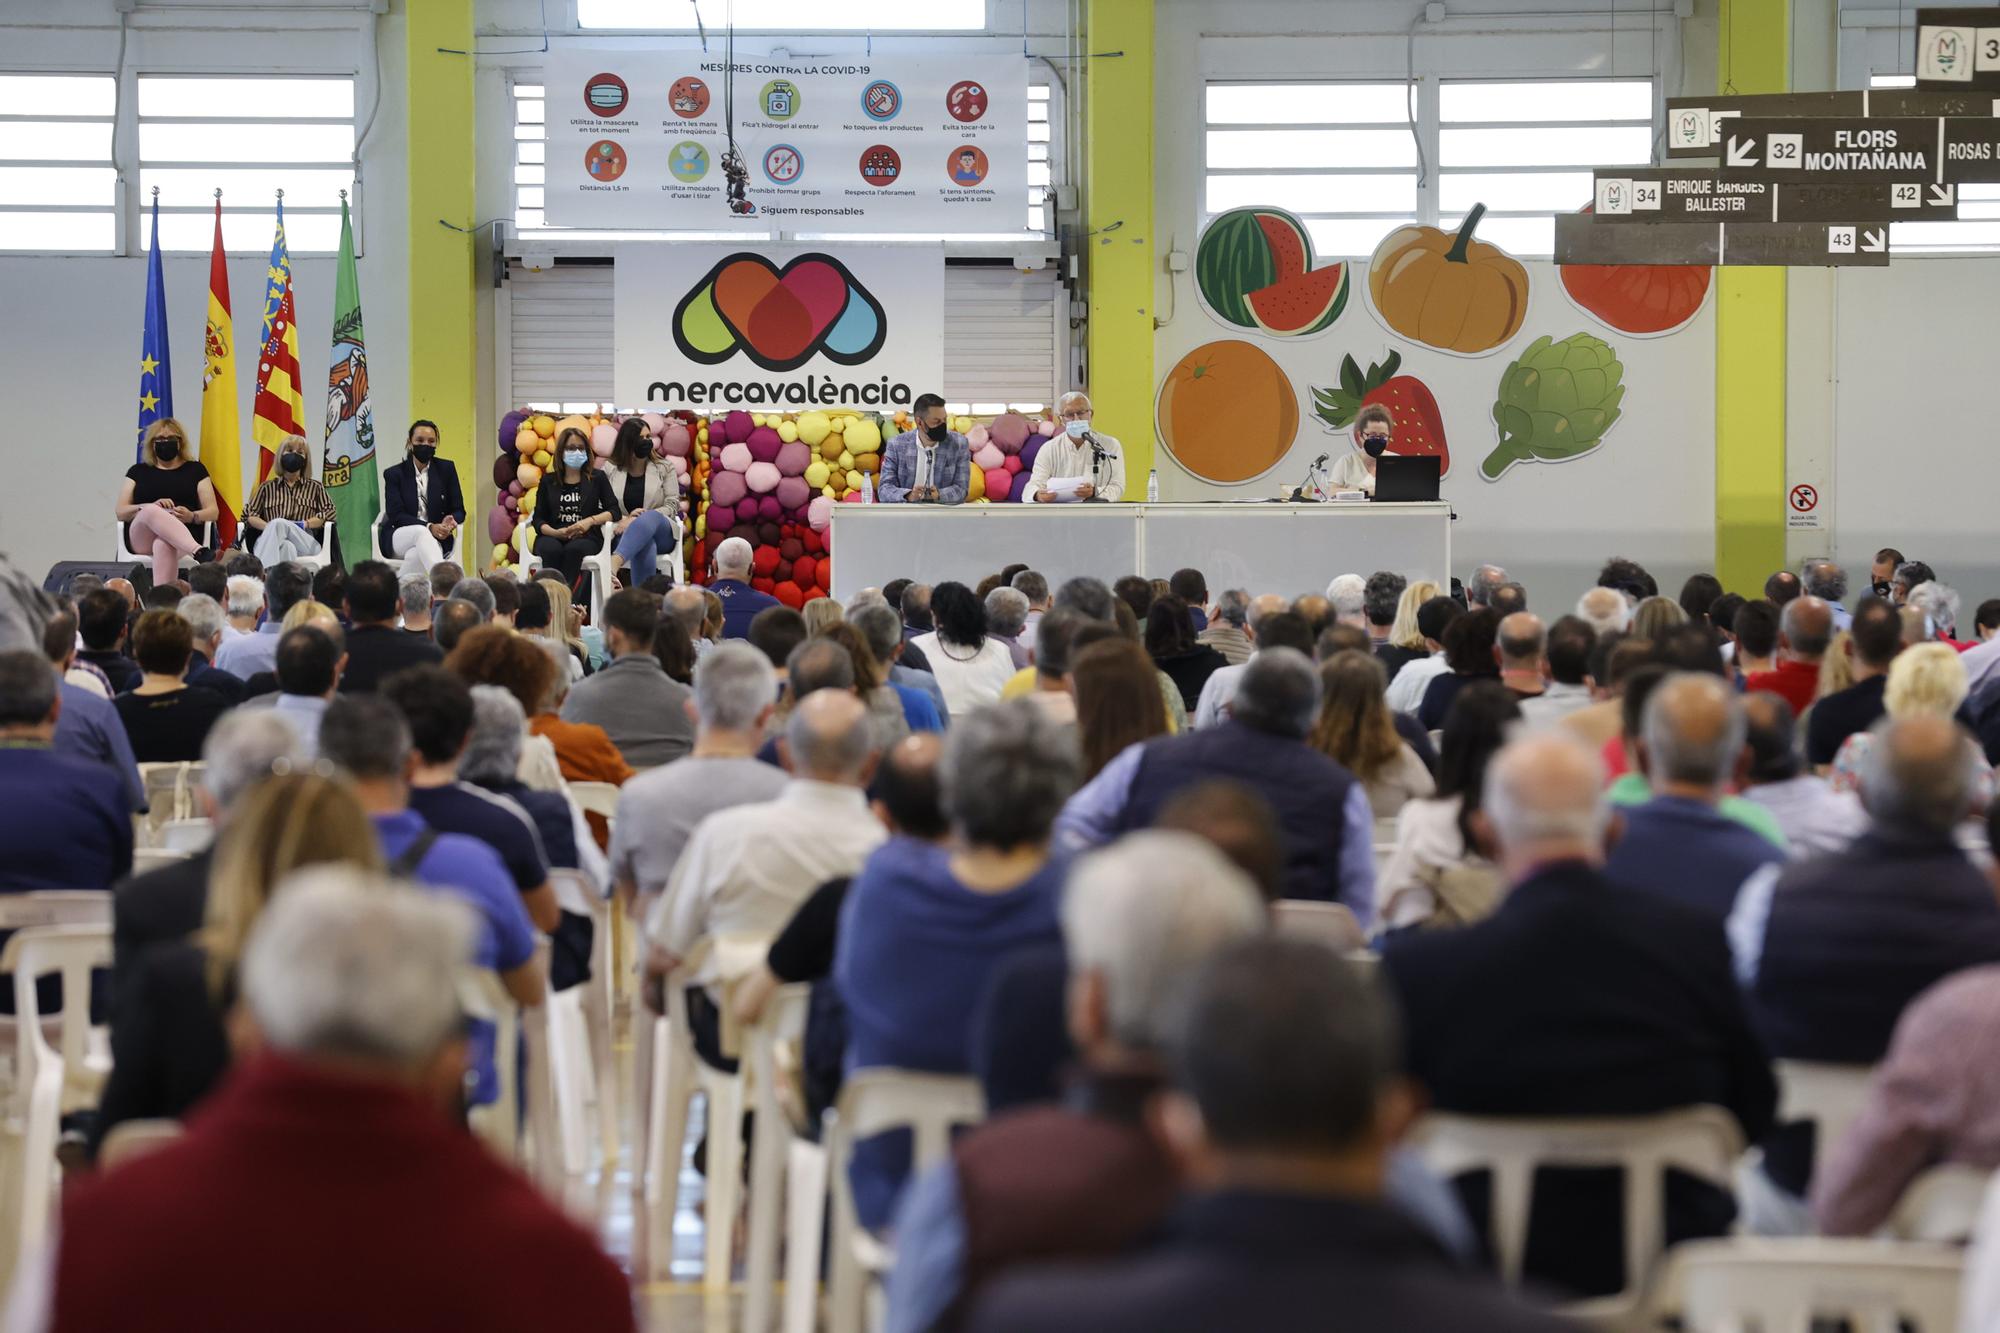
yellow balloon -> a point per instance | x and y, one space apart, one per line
756 418
526 442
817 473
846 459
788 431
853 481
863 436
813 427
542 459
976 485
573 423
544 426
828 491
529 475
961 424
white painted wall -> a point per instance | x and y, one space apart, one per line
70 350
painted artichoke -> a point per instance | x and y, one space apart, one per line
1556 401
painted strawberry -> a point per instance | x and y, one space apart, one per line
1419 424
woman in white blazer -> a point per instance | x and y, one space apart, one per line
648 490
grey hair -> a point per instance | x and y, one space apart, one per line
878 623
1806 643
1526 804
1031 585
733 556
27 687
246 595
733 684
1073 396
1678 757
1916 792
245 746
477 593
499 729
1825 580
1484 580
687 605
414 592
822 744
203 615
1278 693
1604 610
1348 593
1006 772
1940 603
1144 914
1233 606
352 965
1086 596
1006 612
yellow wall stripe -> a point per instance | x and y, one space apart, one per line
1118 146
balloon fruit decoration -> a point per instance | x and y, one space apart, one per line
1447 290
527 445
1419 429
1254 269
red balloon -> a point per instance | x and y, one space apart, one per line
789 593
765 560
805 570
761 585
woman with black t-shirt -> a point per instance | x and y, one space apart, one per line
166 719
572 506
163 498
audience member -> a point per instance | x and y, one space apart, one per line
1508 599
1438 872
1471 653
1220 686
479 593
971 668
871 686
1191 586
1263 745
308 673
165 718
1565 664
1836 668
1521 646
69 821
1605 610
1634 787
1805 627
1926 680
1135 590
1828 582
88 727
1607 1002
632 699
1116 708
444 576
1290 1100
1814 818
922 698
925 925
1434 616
1034 586
1940 607
102 618
376 645
1628 577
1883 570
414 600
776 632
732 559
492 655
244 603
1405 641
1656 617
1722 619
1909 575
285 586
1380 596
1240 825
1228 629
350 993
206 623
1986 621
1698 594
1756 632
1007 620
452 619
210 581
1479 590
1171 643
1875 636
672 648
1354 729
1782 588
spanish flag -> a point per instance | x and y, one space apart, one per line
279 409
221 443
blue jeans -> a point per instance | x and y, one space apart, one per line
650 537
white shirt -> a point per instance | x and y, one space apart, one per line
423 493
1427 838
748 868
1217 693
1350 473
1061 456
968 680
926 459
1556 702
1814 817
1406 691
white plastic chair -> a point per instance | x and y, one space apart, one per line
805 1216
1941 1206
596 798
1828 1097
594 1011
484 996
185 835
783 1022
875 1101
61 908
677 1075
125 555
1703 1141
169 797
1782 1286
132 1139
1331 924
603 578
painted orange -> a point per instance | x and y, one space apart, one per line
1446 290
1226 412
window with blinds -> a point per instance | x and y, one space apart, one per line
58 185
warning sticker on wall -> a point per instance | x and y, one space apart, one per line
1802 509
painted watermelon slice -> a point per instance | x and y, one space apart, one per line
1291 248
1300 305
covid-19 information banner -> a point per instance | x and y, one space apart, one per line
931 143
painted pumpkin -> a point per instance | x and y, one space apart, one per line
1226 412
1641 299
1446 290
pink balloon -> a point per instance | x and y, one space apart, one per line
761 476
656 423
988 457
736 457
674 441
1013 463
1010 431
499 523
746 509
768 509
977 436
721 518
602 438
512 503
851 498
681 466
516 488
998 479
764 444
726 488
793 459
737 426
820 512
793 492
1045 428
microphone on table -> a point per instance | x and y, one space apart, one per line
1299 494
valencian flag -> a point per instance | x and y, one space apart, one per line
348 462
278 412
221 443
156 377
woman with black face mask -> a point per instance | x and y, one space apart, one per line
1355 470
422 504
648 488
165 496
291 510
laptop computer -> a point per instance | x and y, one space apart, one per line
1407 479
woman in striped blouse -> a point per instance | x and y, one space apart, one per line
290 511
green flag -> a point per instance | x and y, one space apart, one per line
348 462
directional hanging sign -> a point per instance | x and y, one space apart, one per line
1688 194
1579 240
1958 49
1959 151
1696 125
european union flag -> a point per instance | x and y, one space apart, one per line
156 377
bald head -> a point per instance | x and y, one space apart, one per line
1918 776
687 606
1523 640
1693 731
828 738
1544 798
1268 604
1805 629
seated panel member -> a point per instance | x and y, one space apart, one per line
1355 471
931 464
422 503
1079 452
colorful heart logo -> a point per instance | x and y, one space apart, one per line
779 317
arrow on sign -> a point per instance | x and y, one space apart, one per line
1941 194
1874 242
1742 152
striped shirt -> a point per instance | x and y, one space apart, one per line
296 500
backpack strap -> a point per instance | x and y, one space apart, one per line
413 855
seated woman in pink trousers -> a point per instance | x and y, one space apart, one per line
166 496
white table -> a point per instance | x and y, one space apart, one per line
1264 547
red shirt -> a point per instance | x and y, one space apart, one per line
1794 682
305 1200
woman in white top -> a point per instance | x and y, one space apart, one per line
1354 729
971 669
1355 471
1436 876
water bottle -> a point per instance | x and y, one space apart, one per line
868 488
1152 486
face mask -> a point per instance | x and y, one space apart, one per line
937 432
1076 430
423 453
643 449
166 449
293 462
574 459
1376 445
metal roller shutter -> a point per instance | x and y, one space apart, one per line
560 323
